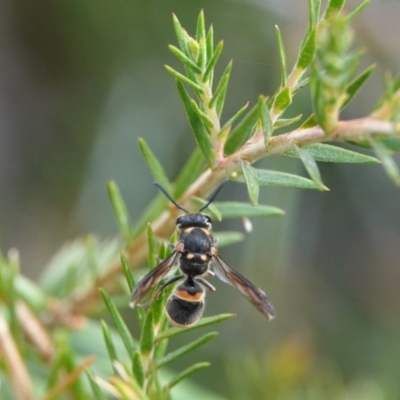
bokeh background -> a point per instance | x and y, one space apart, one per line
82 80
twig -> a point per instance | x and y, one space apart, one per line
20 378
353 130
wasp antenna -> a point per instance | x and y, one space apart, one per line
169 197
214 194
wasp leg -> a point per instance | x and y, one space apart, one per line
161 288
207 285
208 274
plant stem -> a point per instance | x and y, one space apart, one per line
252 151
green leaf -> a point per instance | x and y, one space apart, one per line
184 59
307 52
228 238
242 131
282 122
264 121
282 179
232 209
109 343
282 56
213 61
357 10
162 251
154 165
301 84
127 272
131 284
161 347
190 171
119 323
32 293
202 55
282 100
391 143
201 27
213 211
147 336
218 98
151 248
97 392
388 163
328 153
309 122
251 179
157 308
311 167
396 83
181 35
314 10
172 332
186 349
182 78
210 43
201 39
234 118
137 368
186 373
200 134
120 210
357 83
202 115
334 6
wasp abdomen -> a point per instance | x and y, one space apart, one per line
182 312
186 304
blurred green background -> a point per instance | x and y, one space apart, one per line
82 80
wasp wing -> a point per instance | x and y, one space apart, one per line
152 278
255 295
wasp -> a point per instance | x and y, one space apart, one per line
195 253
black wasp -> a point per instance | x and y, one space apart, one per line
195 251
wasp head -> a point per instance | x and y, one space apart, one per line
195 220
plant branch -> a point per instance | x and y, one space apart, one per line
255 149
20 379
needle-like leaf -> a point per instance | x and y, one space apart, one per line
186 373
232 209
120 210
154 165
172 332
311 167
199 131
186 349
388 163
329 153
119 323
283 179
282 56
251 179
